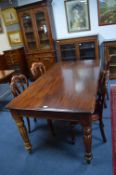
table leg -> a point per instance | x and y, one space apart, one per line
22 129
87 140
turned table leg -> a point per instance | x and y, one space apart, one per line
87 140
22 129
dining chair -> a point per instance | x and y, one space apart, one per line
18 84
98 112
37 70
107 72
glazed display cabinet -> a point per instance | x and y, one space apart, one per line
37 32
109 48
82 48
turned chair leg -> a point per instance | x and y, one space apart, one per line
101 125
107 95
105 105
28 123
51 126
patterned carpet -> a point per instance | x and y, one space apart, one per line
113 121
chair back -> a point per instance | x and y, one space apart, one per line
37 69
101 92
18 84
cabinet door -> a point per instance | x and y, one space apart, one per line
87 50
27 26
112 50
68 52
42 28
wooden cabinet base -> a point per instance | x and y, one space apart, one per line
15 59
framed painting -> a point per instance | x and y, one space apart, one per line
9 16
77 14
106 12
15 38
1 26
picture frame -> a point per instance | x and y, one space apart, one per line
77 15
106 12
9 16
1 26
15 38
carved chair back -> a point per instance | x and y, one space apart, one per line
18 84
37 69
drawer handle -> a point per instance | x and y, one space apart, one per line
12 61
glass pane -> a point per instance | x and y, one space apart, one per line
112 50
68 52
29 34
87 51
42 30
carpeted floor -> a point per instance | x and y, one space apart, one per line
53 155
5 96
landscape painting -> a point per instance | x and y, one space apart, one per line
107 12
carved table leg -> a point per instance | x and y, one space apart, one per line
22 129
87 140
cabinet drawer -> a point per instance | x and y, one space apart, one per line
37 57
15 59
47 61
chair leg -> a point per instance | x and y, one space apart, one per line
35 120
107 95
105 105
51 126
28 123
73 133
101 125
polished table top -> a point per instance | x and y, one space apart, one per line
4 74
66 87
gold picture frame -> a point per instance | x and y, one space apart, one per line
10 16
15 38
77 15
1 26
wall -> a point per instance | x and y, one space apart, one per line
4 43
105 32
24 2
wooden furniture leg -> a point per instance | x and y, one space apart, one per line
87 140
22 129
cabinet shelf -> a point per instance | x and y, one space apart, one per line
31 41
69 58
45 39
63 50
87 48
29 32
109 48
113 65
87 57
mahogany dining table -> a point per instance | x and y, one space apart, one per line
65 92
